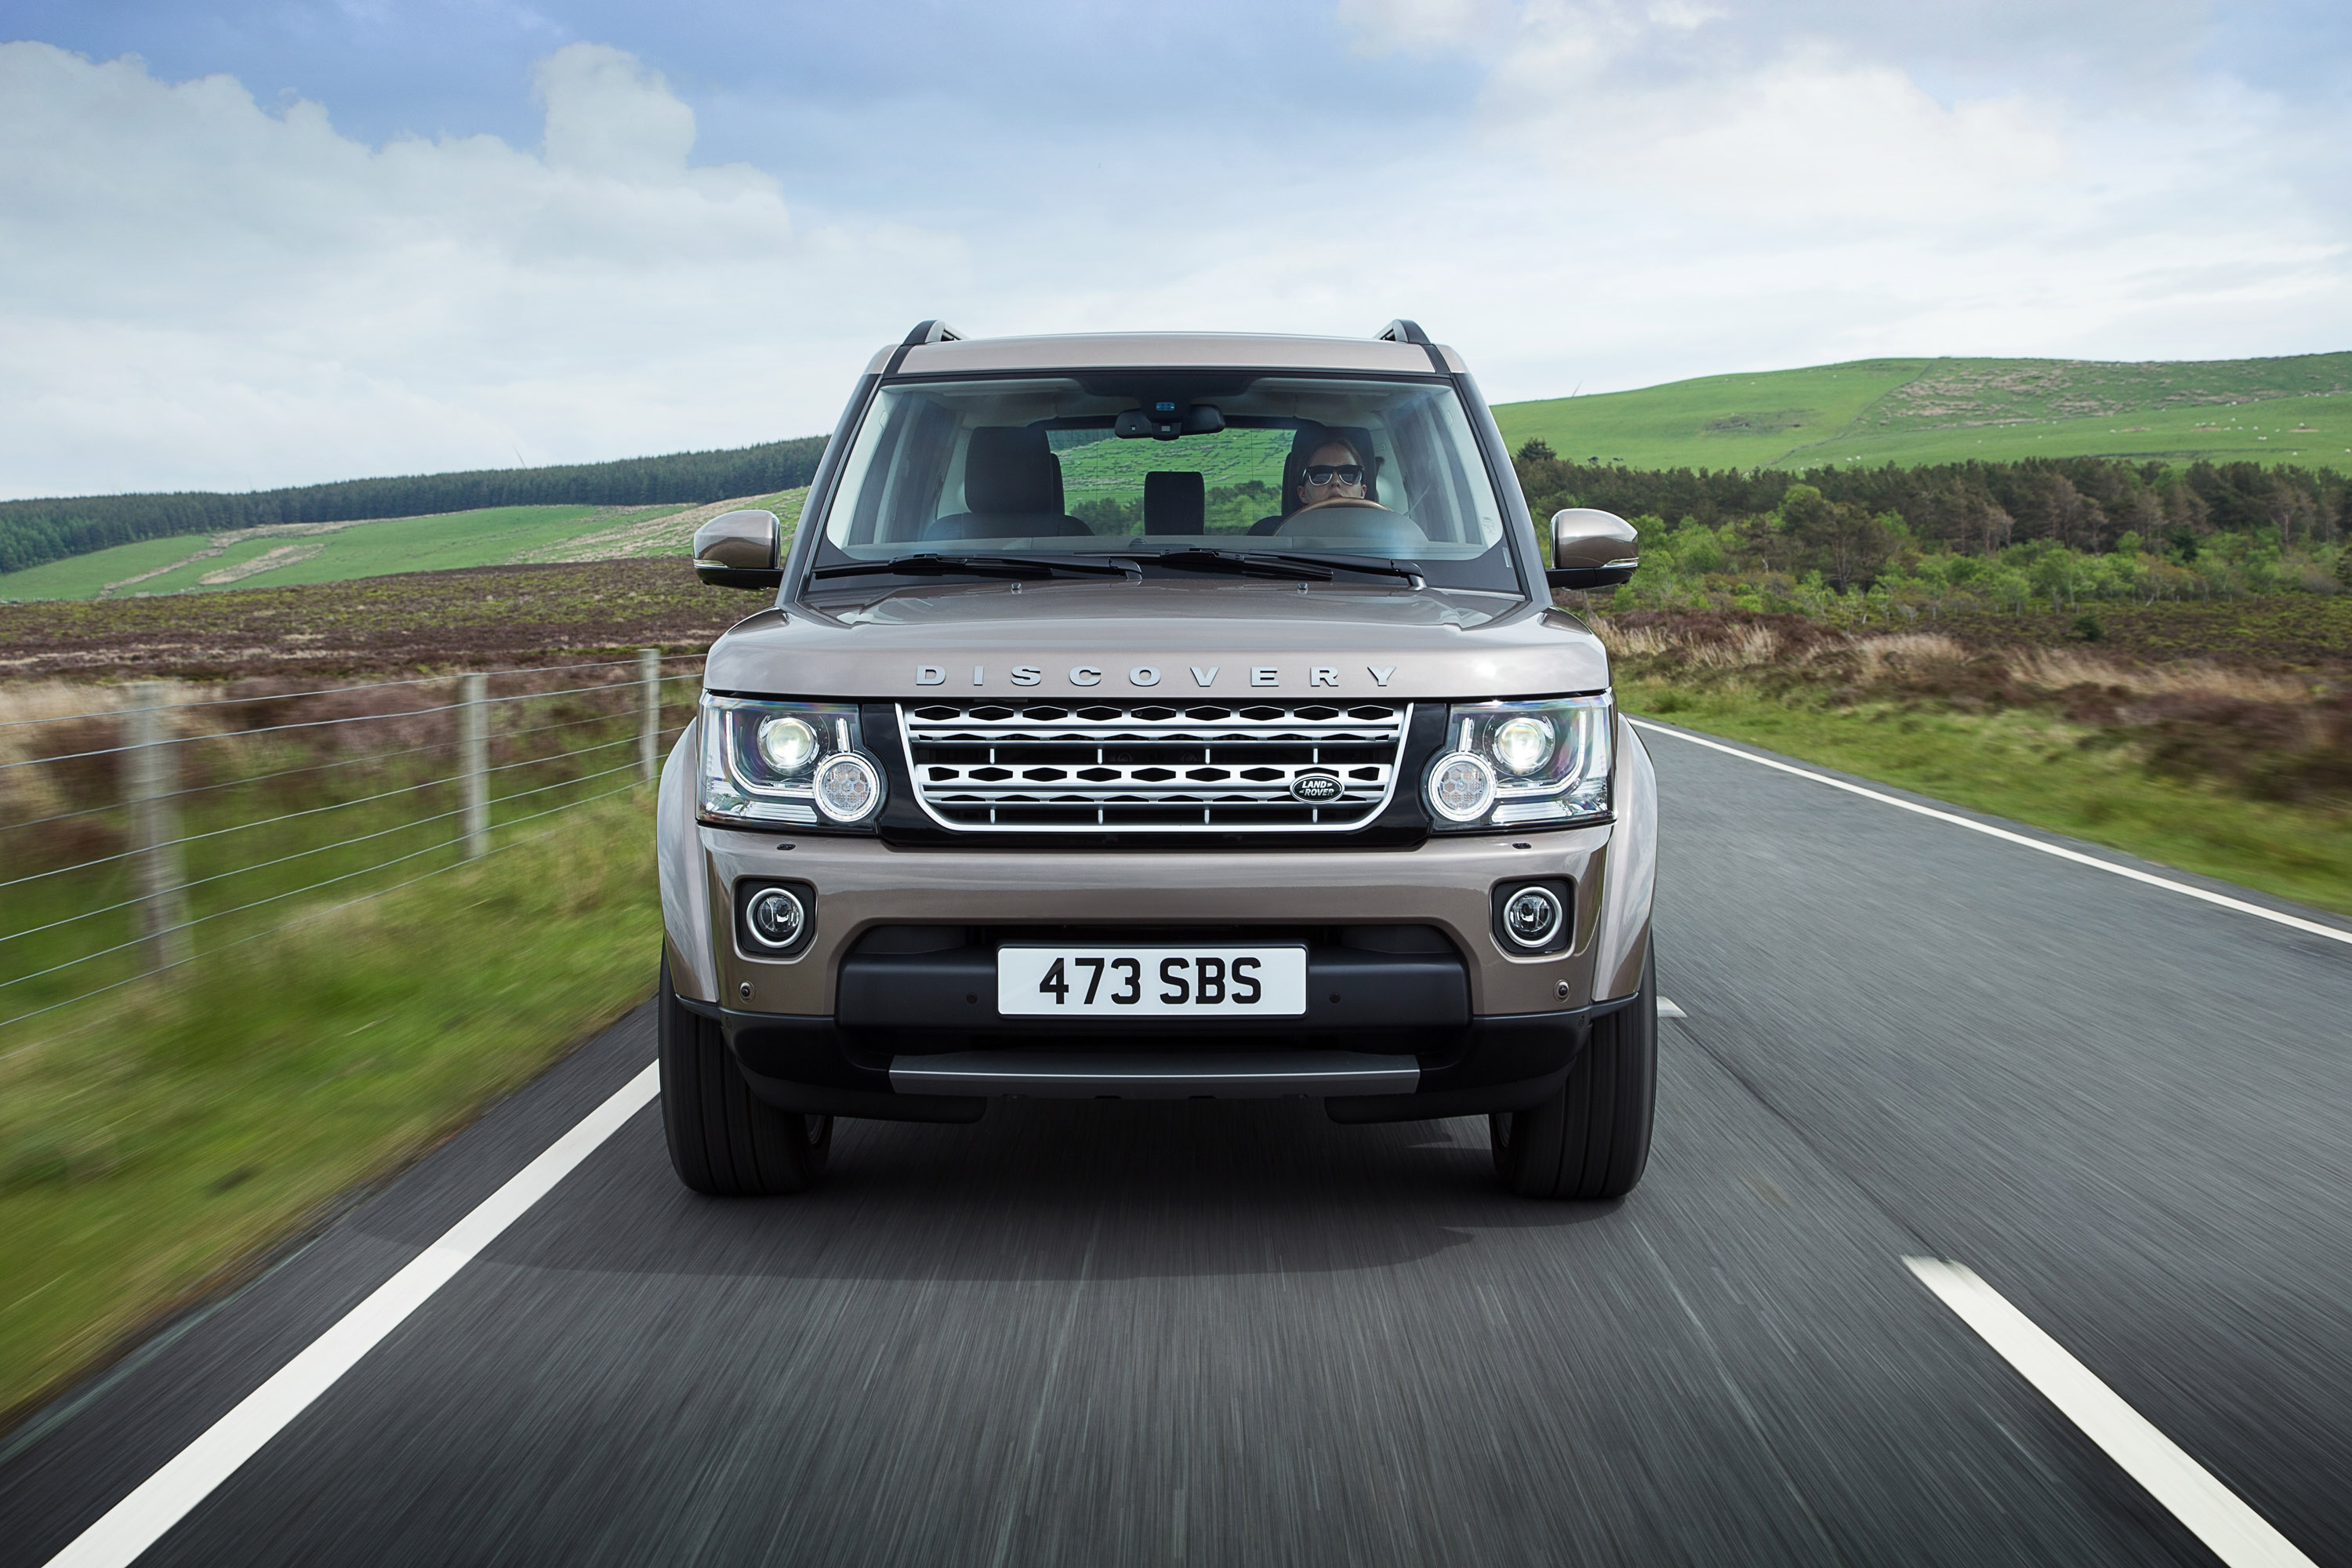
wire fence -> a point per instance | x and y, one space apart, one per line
192 832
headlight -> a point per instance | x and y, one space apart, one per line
1512 763
787 744
800 763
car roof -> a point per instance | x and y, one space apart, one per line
1171 351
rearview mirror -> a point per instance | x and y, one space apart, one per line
739 550
1592 549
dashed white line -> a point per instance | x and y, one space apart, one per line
2276 917
2216 1515
1669 1010
159 1502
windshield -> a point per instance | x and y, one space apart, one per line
1142 466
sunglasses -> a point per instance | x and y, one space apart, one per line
1324 473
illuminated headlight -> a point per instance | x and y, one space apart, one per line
787 742
1523 743
794 764
1511 763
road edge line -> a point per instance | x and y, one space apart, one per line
128 1529
2213 1513
2277 917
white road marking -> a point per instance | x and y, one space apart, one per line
2334 934
2213 1513
159 1502
1669 1010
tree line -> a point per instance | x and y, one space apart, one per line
32 532
2086 504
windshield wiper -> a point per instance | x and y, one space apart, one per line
1240 562
932 563
1272 564
1376 568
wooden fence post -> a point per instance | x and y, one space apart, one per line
649 720
473 765
151 785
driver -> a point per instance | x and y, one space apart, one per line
1333 472
1327 468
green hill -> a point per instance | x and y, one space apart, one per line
1912 411
286 554
51 528
1868 413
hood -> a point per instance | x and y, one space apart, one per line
1220 639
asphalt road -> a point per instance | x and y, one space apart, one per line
1099 1334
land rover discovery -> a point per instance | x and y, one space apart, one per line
1160 715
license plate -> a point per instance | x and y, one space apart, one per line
1203 981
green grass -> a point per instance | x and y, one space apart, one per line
2033 768
161 1137
352 823
1919 411
493 536
1116 467
81 576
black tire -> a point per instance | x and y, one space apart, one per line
1591 1139
723 1140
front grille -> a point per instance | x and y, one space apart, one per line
1161 767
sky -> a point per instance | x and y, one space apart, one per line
286 241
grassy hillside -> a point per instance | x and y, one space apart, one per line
1868 413
2296 409
290 554
36 529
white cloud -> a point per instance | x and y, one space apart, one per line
197 291
607 115
1701 193
200 292
1652 189
1418 24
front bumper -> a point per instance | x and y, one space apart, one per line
861 884
818 1066
818 1031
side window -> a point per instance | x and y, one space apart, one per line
903 476
1435 490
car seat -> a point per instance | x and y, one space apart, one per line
1012 484
1174 502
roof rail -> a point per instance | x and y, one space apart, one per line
936 332
1403 331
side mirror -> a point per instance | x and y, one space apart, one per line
739 550
1592 549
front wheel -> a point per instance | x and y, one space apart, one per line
1592 1138
723 1140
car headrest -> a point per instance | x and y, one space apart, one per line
1174 503
1007 468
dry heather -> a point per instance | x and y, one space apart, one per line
471 619
64 737
2061 669
2281 734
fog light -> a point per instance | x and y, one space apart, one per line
1532 917
1461 786
847 787
775 918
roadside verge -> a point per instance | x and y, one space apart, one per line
153 1143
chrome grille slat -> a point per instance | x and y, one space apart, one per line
995 766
